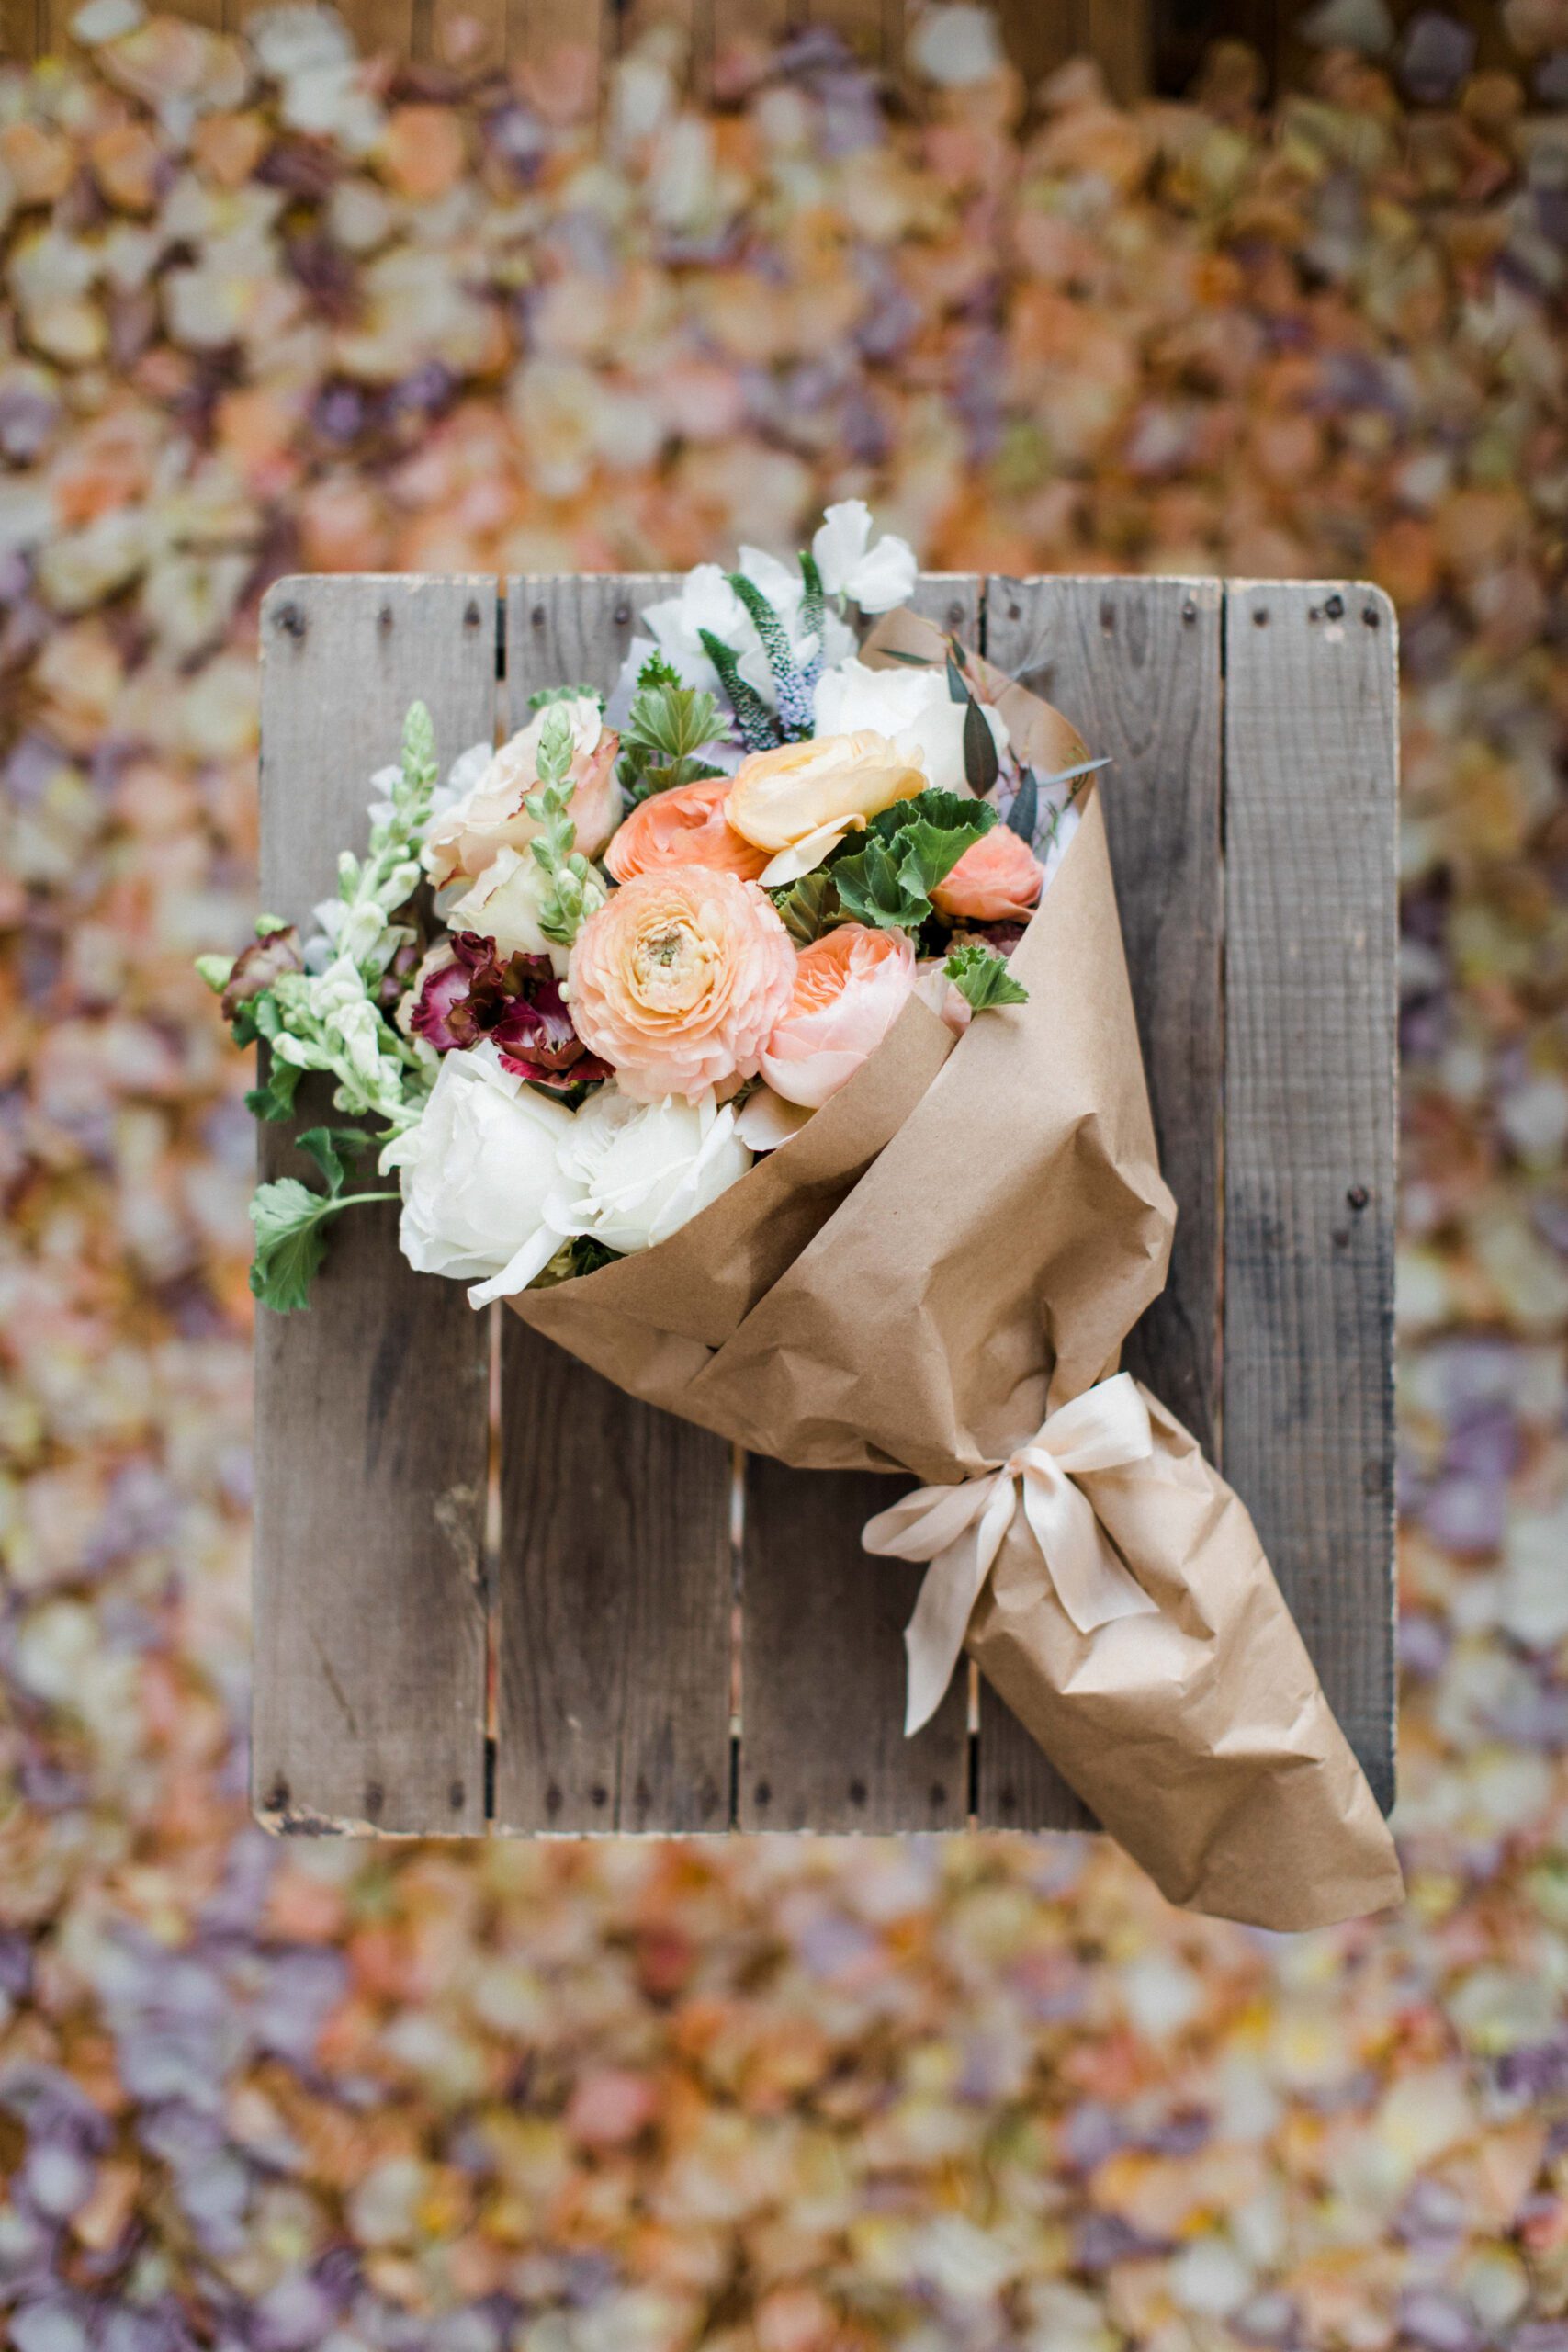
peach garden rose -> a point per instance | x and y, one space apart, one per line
686 826
678 980
850 988
997 880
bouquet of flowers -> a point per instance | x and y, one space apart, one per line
675 1019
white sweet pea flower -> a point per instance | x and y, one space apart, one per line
876 578
634 1172
707 601
476 1173
912 708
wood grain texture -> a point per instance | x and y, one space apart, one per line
1311 787
617 1576
538 30
1135 665
371 1409
822 1654
873 29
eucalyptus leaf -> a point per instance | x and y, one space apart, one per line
1023 817
981 766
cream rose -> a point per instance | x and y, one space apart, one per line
801 801
636 1172
490 814
476 1173
912 708
504 904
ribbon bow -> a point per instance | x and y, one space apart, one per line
960 1529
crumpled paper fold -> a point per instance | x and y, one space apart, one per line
956 1245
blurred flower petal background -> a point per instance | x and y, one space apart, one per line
271 305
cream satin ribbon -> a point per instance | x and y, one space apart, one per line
960 1529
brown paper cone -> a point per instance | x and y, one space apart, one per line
959 1241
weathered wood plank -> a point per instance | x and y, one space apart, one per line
616 1582
371 1409
822 1744
873 29
1311 786
1135 665
539 31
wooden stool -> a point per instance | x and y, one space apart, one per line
492 1593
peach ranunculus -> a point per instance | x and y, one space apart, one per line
997 880
684 827
678 979
850 988
799 801
492 817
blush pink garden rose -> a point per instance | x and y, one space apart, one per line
850 988
998 880
465 839
678 980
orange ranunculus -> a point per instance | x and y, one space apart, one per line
850 988
995 881
677 980
686 827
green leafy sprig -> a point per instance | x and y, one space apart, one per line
667 725
575 890
759 728
907 850
981 976
288 1218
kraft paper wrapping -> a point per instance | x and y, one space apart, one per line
958 1242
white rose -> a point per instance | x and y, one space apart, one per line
505 905
877 577
641 1170
912 708
476 1173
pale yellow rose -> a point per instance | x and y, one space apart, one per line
799 801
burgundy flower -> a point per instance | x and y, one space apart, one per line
258 965
516 1002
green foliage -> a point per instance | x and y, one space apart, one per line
575 890
547 694
274 1098
982 976
289 1220
328 1147
759 730
1023 817
809 907
905 852
585 1255
668 724
794 691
